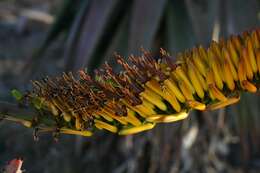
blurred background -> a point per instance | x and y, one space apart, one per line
47 37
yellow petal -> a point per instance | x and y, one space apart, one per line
54 110
220 104
104 125
146 107
216 70
194 80
172 100
131 118
202 80
75 132
203 54
111 114
168 118
186 91
233 53
199 63
215 48
228 76
173 88
241 71
66 116
249 86
249 71
255 40
182 75
252 59
231 65
137 129
155 86
134 108
196 105
217 93
237 43
78 122
153 98
258 60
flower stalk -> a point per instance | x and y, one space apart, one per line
148 91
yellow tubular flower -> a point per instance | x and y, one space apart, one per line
228 76
146 107
216 69
201 79
241 71
199 63
255 40
155 86
103 125
153 98
210 81
173 88
181 74
215 48
54 110
121 120
230 64
248 69
196 105
172 100
167 118
25 123
219 105
186 91
134 108
194 80
203 54
258 60
249 86
217 93
131 118
137 129
233 53
78 123
140 112
237 43
66 116
252 59
85 133
106 117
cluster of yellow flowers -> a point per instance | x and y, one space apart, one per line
152 90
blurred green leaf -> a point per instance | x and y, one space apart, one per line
37 103
146 19
119 43
17 94
96 34
62 21
179 30
74 35
61 24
